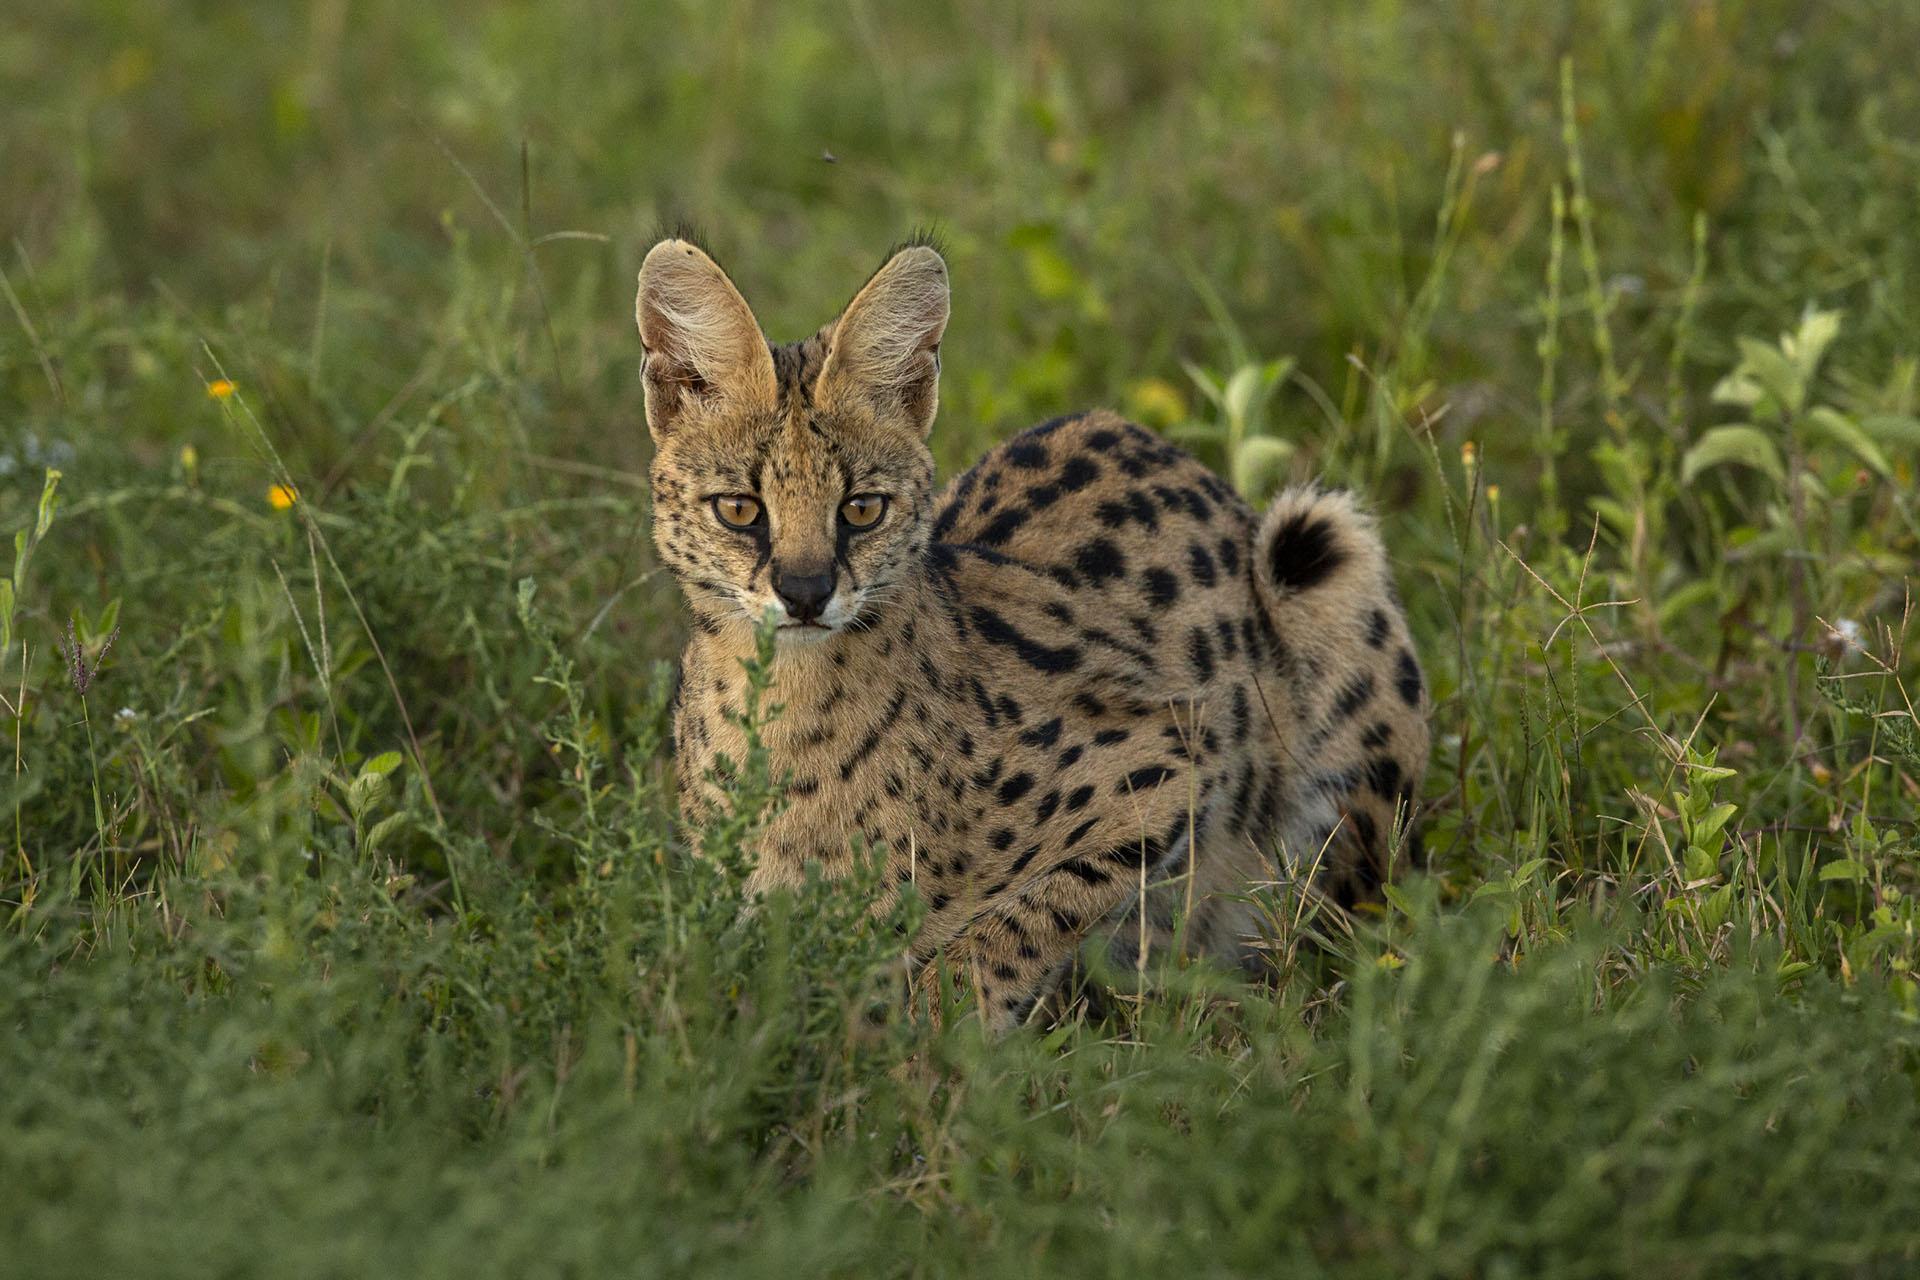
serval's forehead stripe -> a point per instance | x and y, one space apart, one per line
796 368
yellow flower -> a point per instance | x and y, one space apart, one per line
220 389
1493 493
1467 455
282 496
1156 402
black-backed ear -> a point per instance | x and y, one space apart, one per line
700 341
885 347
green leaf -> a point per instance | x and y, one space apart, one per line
1842 430
1808 345
1775 374
1844 869
1708 828
1241 388
1718 905
1738 389
1892 428
1615 514
383 764
1788 970
1701 864
1260 463
1205 381
1702 593
1741 445
48 502
381 830
367 791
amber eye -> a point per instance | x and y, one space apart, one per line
737 511
863 511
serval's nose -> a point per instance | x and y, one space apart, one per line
804 593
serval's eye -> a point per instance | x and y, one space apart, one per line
737 511
863 511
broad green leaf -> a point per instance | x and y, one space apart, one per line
1808 345
1892 428
382 829
1702 593
384 763
1241 388
1615 514
1833 425
1742 445
1844 869
1738 389
1791 969
1701 864
1775 374
1718 906
1708 828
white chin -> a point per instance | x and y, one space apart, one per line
792 634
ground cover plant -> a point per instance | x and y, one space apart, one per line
346 927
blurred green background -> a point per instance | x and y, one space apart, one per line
347 927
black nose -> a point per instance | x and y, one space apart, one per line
804 594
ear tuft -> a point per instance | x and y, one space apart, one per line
700 343
885 347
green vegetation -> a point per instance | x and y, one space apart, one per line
344 927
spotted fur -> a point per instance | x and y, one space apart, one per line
1083 686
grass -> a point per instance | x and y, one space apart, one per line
346 926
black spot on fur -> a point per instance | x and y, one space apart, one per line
1357 693
1162 587
1141 779
1040 657
1078 800
1100 561
1406 678
1004 526
1304 553
1077 473
1377 627
1111 737
1027 454
1015 787
1080 868
1377 736
1044 735
1200 562
1200 653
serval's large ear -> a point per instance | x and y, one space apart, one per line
701 345
885 347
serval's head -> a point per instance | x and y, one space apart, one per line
790 478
